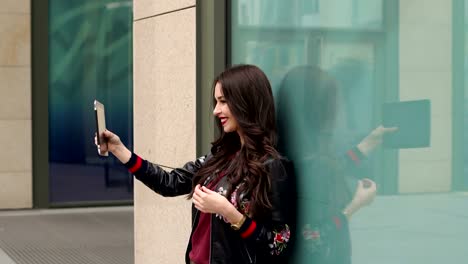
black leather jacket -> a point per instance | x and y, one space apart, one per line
227 246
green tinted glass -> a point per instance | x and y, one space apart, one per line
369 93
90 57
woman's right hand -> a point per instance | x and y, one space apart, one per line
366 191
114 145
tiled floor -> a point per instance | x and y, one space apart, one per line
67 236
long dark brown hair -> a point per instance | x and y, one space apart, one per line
307 109
249 97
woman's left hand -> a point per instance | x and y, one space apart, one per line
208 201
374 139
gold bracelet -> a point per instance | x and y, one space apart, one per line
238 225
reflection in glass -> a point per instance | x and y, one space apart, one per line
367 53
310 13
90 58
307 101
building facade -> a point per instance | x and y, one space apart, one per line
153 68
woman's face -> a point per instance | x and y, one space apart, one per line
222 111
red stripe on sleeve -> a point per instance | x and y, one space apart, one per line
353 156
337 222
249 230
137 165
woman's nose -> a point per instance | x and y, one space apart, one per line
216 111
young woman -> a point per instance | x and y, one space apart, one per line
331 186
241 197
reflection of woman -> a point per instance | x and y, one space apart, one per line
240 191
306 115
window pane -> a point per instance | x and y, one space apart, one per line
339 70
309 13
90 57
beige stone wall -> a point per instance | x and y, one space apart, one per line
15 107
164 121
426 73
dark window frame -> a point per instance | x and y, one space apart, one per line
40 113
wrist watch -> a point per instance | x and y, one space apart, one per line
237 226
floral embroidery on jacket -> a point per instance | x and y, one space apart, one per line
221 190
244 204
234 197
312 238
280 240
316 238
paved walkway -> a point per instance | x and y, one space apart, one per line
100 235
405 229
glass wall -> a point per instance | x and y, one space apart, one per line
90 57
371 95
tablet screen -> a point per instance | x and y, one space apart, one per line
413 121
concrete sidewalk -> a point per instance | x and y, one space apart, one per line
404 229
99 235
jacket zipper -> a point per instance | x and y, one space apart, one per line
248 254
194 219
211 229
196 213
211 218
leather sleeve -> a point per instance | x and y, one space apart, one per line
166 183
274 235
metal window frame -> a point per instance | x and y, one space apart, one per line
211 47
40 102
458 95
40 113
